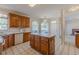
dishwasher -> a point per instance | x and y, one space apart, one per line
18 38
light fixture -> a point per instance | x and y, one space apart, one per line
32 5
74 8
53 22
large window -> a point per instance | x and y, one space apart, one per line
3 22
44 27
35 27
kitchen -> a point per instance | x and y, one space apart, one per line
17 30
40 29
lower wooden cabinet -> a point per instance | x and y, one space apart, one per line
26 36
5 46
77 40
45 45
32 41
9 41
37 42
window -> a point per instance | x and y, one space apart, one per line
44 27
3 22
35 27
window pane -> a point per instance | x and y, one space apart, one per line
35 27
3 22
44 27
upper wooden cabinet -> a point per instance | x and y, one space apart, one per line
25 22
14 20
19 21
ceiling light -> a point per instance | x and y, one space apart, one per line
74 8
32 5
53 22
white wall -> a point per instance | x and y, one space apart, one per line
72 24
75 23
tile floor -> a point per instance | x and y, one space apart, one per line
60 49
21 49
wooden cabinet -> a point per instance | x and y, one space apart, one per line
52 45
32 41
26 36
37 42
25 22
19 21
5 46
77 40
9 41
45 45
14 20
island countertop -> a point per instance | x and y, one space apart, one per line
44 35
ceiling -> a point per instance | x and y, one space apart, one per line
40 10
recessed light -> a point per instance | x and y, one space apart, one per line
32 5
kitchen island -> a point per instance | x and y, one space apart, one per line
44 44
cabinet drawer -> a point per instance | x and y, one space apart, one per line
45 46
45 43
44 49
44 39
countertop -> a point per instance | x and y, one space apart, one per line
45 35
4 34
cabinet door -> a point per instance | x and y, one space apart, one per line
26 37
37 42
25 22
44 45
77 40
14 20
32 41
6 45
11 40
52 45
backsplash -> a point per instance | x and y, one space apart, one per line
15 30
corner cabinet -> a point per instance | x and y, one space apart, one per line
9 41
17 21
6 45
